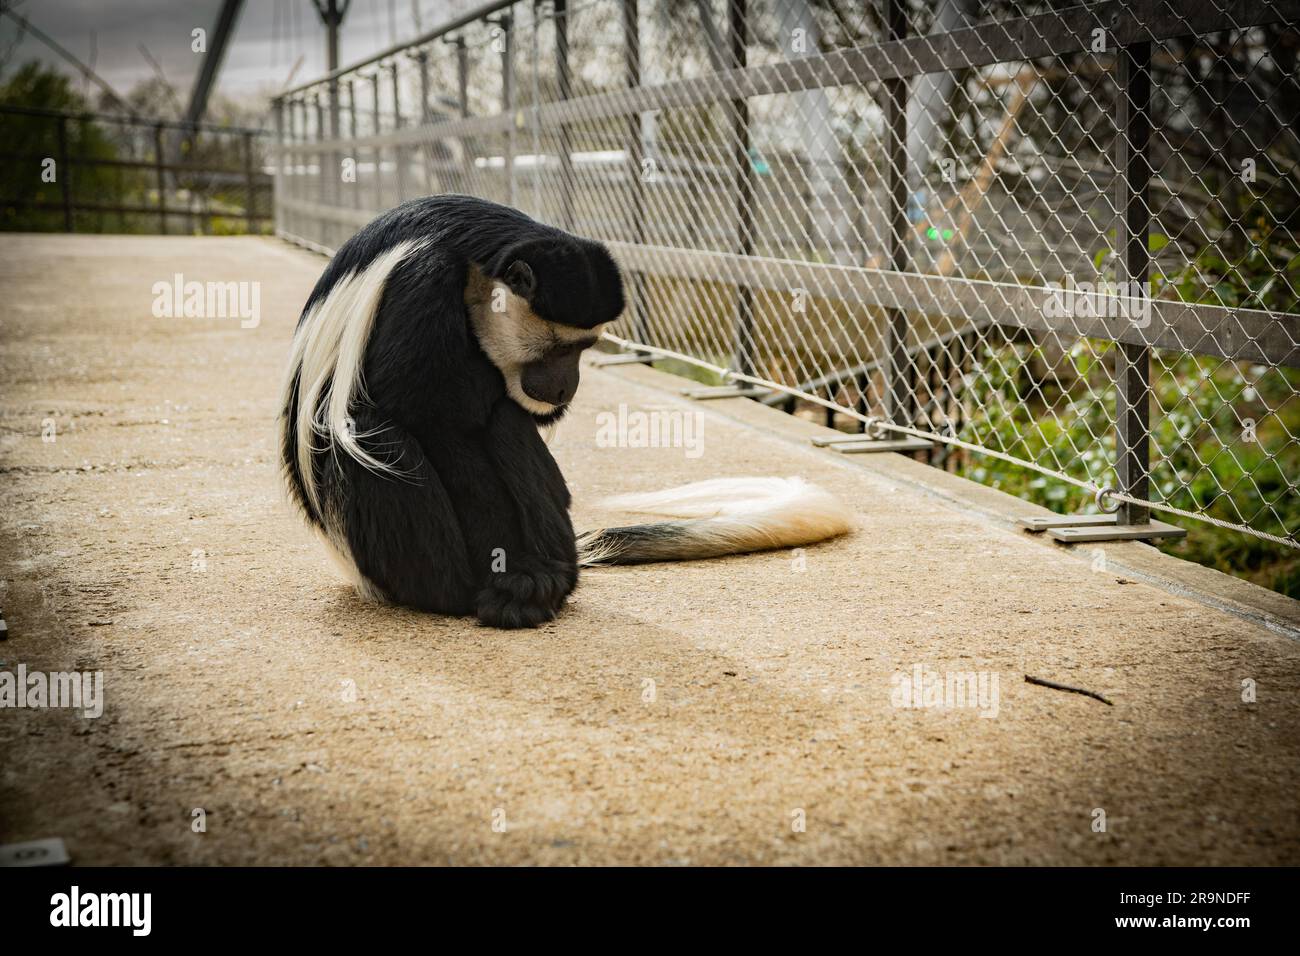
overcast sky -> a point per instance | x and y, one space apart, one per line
269 37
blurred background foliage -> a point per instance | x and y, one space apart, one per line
111 162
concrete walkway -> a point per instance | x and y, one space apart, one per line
734 711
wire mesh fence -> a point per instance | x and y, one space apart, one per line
97 172
1059 242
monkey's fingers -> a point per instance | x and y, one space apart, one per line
499 608
527 596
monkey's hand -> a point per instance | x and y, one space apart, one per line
525 596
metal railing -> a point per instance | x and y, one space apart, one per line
100 172
1059 242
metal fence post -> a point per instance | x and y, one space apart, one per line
564 79
65 174
379 153
462 92
319 110
121 191
335 107
250 204
426 154
335 177
161 176
738 33
301 183
399 158
352 136
897 393
188 143
322 187
1132 269
277 191
636 153
1132 360
508 103
293 186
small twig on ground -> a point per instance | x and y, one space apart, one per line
1073 690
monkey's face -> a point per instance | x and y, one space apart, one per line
538 359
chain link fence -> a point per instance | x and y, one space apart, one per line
1059 242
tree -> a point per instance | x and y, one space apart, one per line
31 186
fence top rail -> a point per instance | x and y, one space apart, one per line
131 120
464 20
1053 32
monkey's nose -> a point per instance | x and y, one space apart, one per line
550 383
566 391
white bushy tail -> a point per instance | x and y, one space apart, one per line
725 516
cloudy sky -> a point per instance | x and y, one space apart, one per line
269 38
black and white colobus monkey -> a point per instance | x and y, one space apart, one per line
436 342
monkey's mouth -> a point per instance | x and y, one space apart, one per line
538 408
551 417
544 392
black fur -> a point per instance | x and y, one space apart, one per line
477 482
635 543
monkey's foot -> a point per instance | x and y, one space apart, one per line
526 598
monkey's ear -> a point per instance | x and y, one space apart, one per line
519 276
